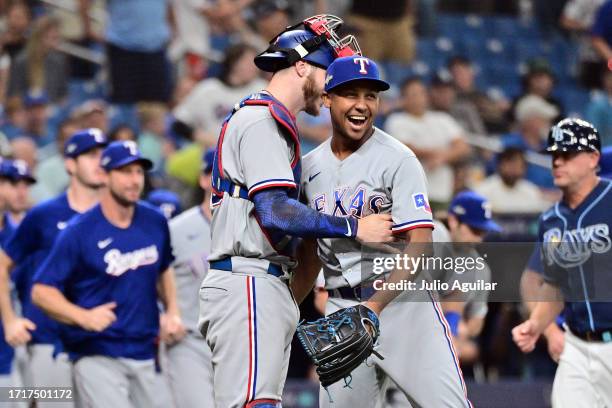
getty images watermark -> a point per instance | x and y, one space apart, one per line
442 273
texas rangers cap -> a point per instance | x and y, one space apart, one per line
122 153
167 201
605 162
16 170
473 209
207 160
354 68
35 98
83 141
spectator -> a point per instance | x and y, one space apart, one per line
384 28
314 129
599 109
50 172
24 149
37 118
40 67
192 41
444 98
14 38
204 109
15 118
534 117
507 190
268 17
92 114
492 112
540 81
152 138
435 137
136 38
122 132
602 32
578 17
15 182
168 202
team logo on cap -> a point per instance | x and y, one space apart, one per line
97 135
557 134
328 78
106 160
71 148
362 64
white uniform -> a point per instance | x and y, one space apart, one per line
383 176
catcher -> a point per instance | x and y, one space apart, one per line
360 171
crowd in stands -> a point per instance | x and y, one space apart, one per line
475 88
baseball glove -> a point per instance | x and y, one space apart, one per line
338 343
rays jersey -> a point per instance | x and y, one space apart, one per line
382 176
577 257
94 262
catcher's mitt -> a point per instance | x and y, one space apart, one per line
338 343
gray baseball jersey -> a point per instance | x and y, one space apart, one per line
190 235
257 155
382 176
247 316
188 364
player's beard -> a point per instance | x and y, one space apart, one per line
121 200
312 96
88 184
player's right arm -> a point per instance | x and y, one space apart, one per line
545 312
49 281
16 329
55 304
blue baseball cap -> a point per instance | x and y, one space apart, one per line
83 141
474 210
167 201
35 98
354 68
16 170
122 153
207 159
605 162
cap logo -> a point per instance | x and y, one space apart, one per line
557 134
97 135
21 166
328 78
488 210
132 146
71 148
362 64
106 160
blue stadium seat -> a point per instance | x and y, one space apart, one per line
574 99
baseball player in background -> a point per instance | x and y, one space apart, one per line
30 245
247 312
188 362
15 182
360 171
469 221
101 280
575 237
7 353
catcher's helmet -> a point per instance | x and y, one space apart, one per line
314 40
573 135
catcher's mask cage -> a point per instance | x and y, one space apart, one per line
315 40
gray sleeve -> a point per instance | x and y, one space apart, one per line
266 157
409 194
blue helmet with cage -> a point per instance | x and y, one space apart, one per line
314 40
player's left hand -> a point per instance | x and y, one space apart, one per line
172 329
